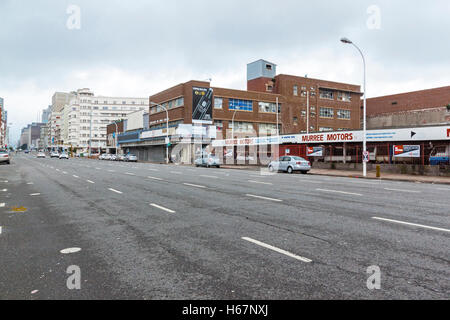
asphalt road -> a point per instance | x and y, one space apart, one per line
149 231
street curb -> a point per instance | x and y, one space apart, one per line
374 178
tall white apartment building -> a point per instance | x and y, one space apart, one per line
87 115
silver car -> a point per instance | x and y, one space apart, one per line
208 161
64 156
4 156
131 158
290 164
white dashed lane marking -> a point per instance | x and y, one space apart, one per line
35 194
114 190
90 181
162 208
341 192
263 198
194 185
268 246
411 224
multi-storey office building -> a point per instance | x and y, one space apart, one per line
86 116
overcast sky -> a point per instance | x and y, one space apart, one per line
139 47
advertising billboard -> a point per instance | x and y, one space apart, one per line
202 101
315 152
404 151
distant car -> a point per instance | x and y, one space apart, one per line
54 154
41 155
107 157
208 161
64 156
122 157
27 151
131 158
113 157
4 156
290 164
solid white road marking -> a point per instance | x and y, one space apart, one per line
212 177
154 178
0 229
401 190
75 176
30 183
90 181
343 192
4 190
194 185
70 250
130 174
268 246
162 208
116 191
259 182
2 205
411 224
264 198
35 194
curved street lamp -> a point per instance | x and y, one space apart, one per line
348 41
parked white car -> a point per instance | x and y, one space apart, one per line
54 154
41 155
64 156
290 164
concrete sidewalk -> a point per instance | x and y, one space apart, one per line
356 174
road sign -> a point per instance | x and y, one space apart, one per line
366 156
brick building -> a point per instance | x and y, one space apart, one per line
418 108
302 102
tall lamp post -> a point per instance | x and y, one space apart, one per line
232 124
347 41
167 132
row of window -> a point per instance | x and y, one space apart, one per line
179 102
326 112
108 108
330 94
246 105
142 102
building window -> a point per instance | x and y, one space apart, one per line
267 128
241 126
324 129
344 96
326 113
295 120
268 67
343 114
218 103
326 94
219 125
241 105
295 90
267 107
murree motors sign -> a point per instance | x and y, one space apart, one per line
404 151
384 135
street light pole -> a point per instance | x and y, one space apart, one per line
347 41
167 132
232 124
